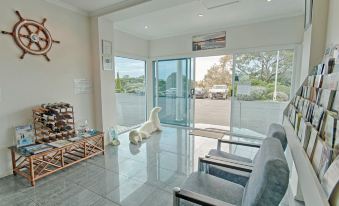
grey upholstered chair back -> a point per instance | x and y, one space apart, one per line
268 182
278 131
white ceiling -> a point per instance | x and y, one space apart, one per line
88 5
181 17
165 18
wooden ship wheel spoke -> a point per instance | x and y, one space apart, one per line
32 37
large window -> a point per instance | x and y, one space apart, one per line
130 92
262 88
264 75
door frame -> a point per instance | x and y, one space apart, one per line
189 70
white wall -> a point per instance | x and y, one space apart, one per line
266 34
306 49
128 45
32 81
332 27
107 83
314 42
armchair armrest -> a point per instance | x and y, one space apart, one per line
239 143
229 160
196 198
226 164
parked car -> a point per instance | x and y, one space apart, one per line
171 92
218 92
200 93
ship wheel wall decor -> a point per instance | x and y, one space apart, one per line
32 37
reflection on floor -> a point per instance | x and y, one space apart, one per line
240 131
126 175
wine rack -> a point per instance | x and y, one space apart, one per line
53 122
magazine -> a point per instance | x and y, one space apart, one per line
331 178
330 81
318 81
297 122
335 104
317 116
336 141
311 142
310 111
305 134
24 135
38 148
320 69
325 159
305 109
328 128
326 98
313 95
316 157
75 139
60 143
302 126
293 117
300 104
310 81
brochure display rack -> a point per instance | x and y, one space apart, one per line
311 121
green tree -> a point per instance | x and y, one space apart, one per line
118 85
219 74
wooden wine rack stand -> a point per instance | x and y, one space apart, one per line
45 134
34 167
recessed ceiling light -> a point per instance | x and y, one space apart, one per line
146 27
268 0
200 15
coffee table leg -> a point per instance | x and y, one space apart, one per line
31 171
103 144
13 161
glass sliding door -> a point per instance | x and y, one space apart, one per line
172 85
130 92
262 87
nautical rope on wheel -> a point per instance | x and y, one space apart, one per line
32 37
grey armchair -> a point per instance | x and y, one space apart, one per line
267 182
240 177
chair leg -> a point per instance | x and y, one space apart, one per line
219 145
176 200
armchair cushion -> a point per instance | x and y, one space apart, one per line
213 187
232 175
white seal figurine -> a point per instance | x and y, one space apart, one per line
145 131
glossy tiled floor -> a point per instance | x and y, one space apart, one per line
127 175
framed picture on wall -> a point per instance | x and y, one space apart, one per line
308 13
106 48
209 41
107 63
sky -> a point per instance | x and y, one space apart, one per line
203 64
130 67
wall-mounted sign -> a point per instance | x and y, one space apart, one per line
107 57
82 86
209 41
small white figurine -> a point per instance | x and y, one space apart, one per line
145 131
